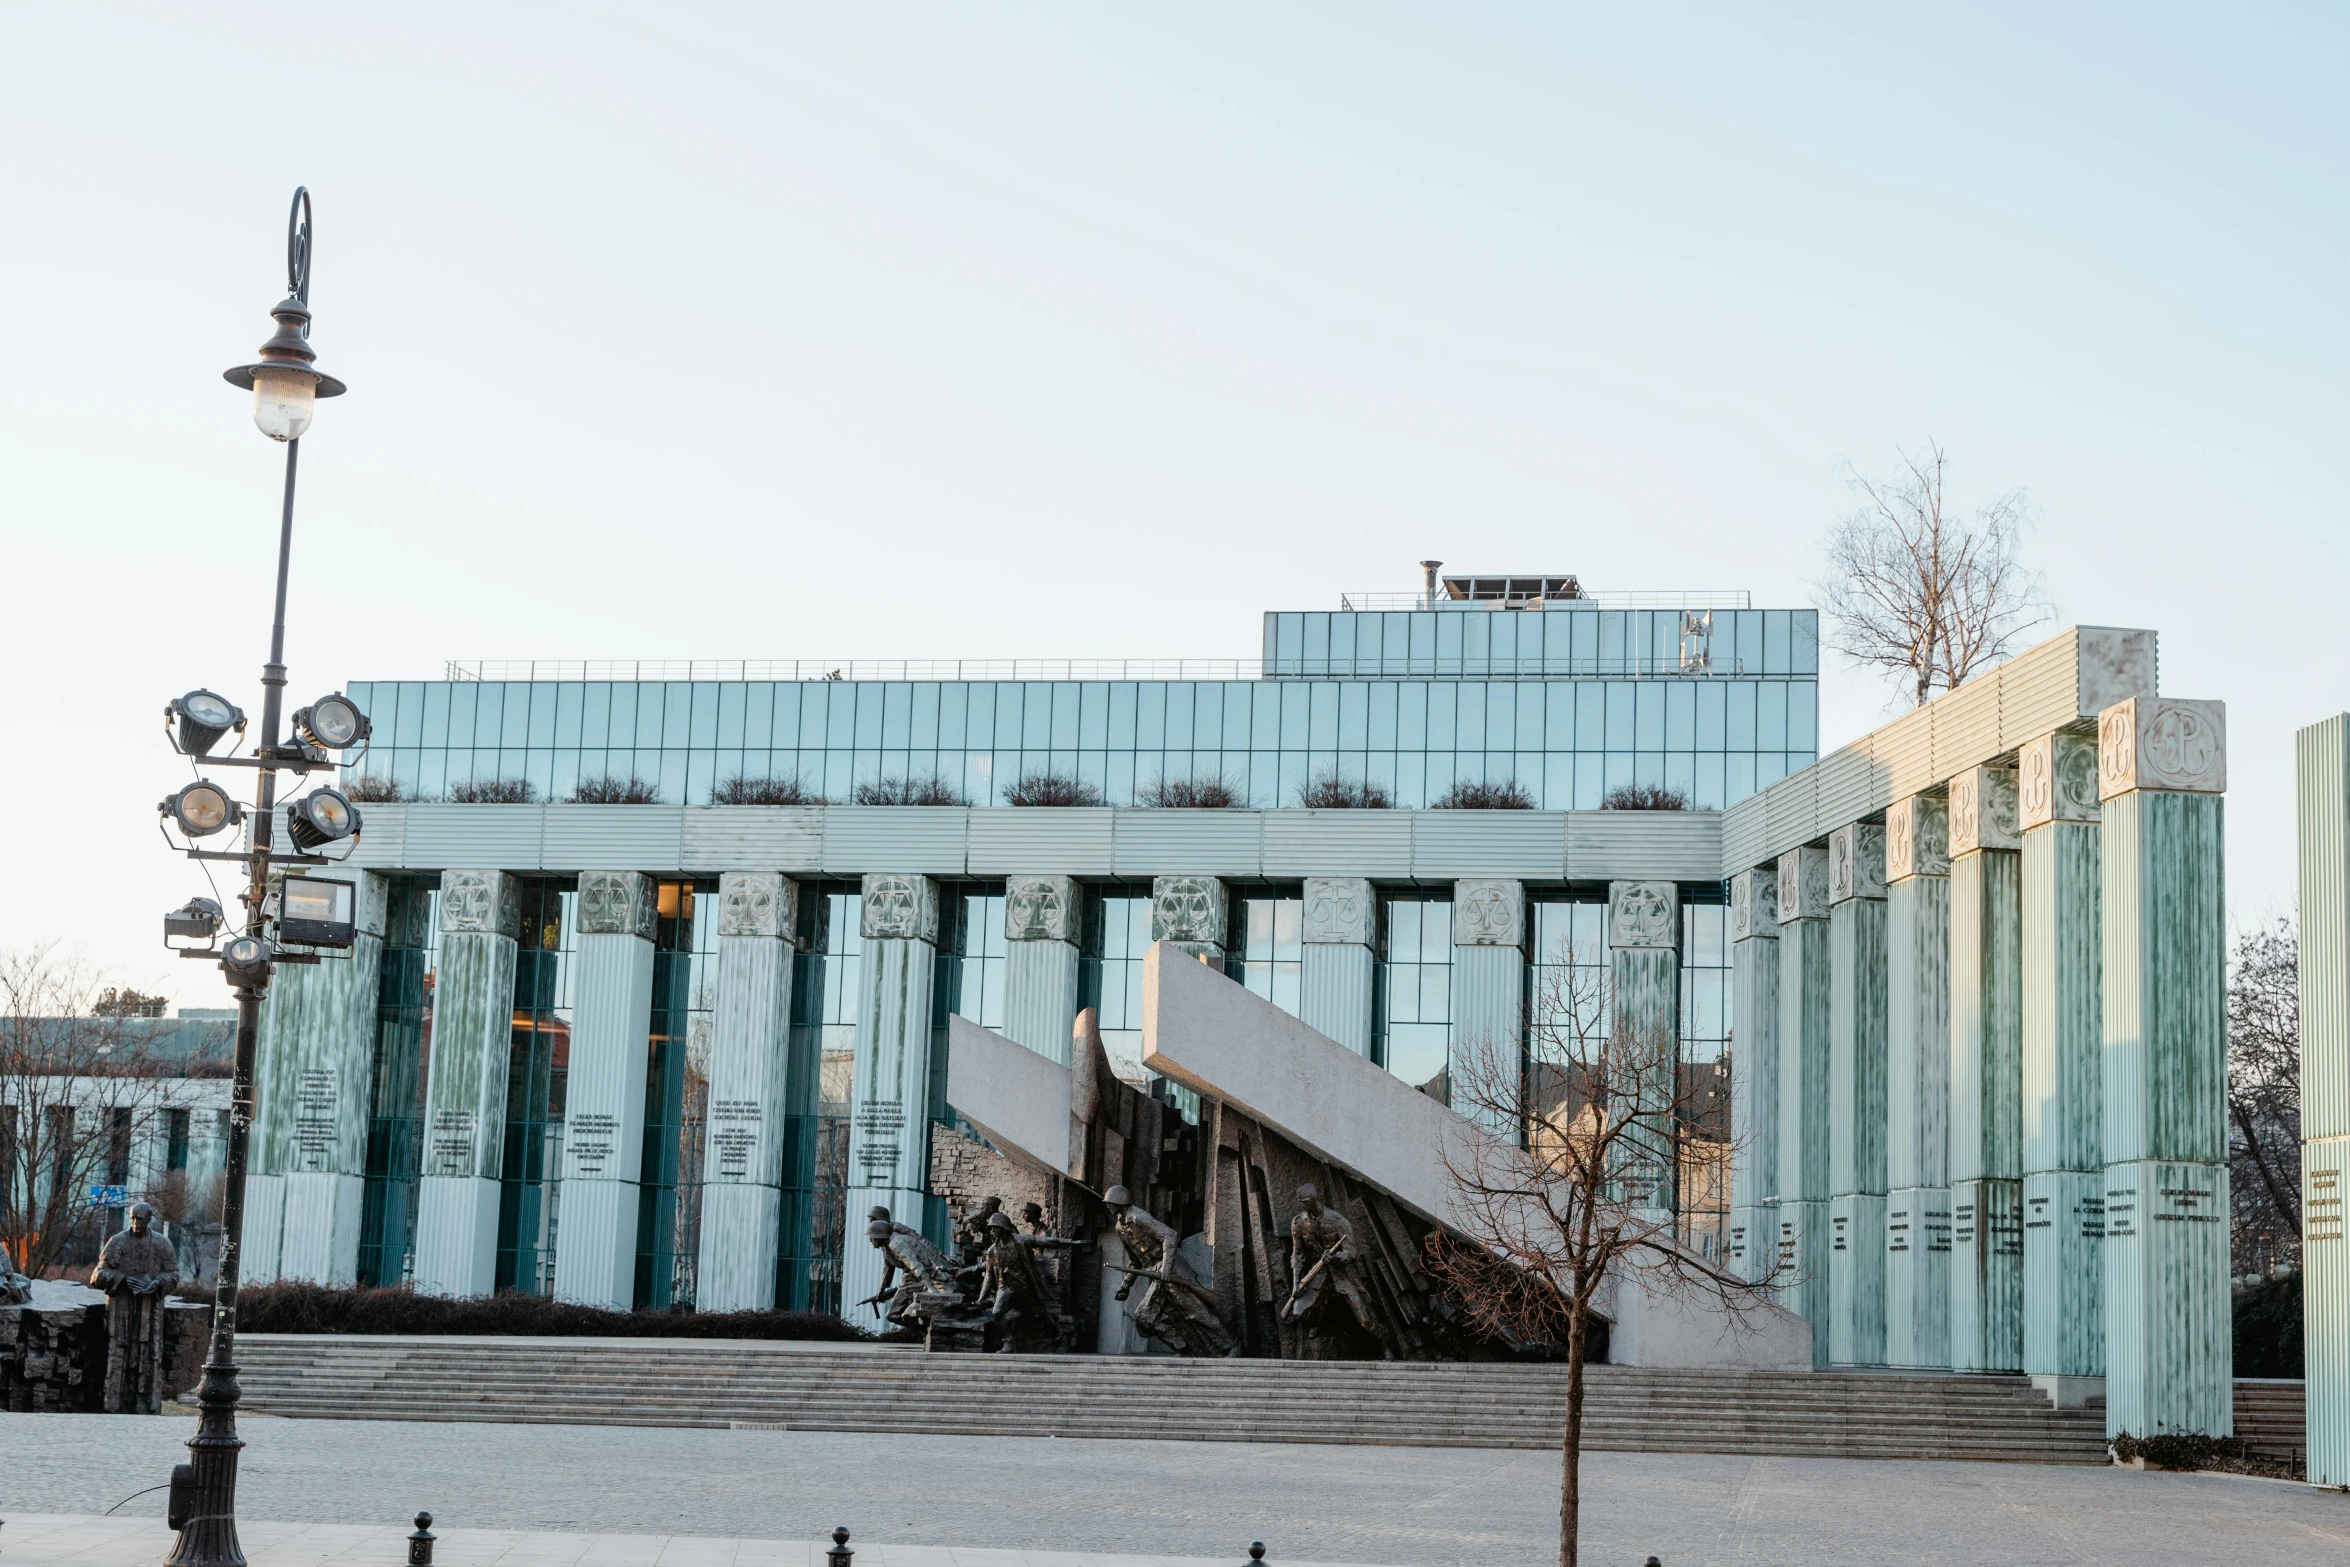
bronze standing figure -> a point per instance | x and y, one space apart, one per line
138 1270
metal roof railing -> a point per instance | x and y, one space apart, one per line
1695 598
649 669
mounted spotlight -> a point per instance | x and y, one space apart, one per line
202 809
199 719
318 913
198 921
246 963
333 722
320 817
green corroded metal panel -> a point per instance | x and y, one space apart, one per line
312 1064
2325 1307
1803 1061
1987 1275
472 1033
2169 1355
2322 786
1856 1047
1754 1073
2064 1271
1803 1269
1856 1280
2165 978
1917 1276
2063 1021
1917 1032
1986 1018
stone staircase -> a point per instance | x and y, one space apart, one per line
830 1387
2270 1417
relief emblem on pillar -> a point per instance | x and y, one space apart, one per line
1754 905
1803 884
899 908
1188 908
1982 810
2162 742
1040 908
757 903
1338 911
616 903
483 902
1917 838
1856 863
2056 780
1489 914
1643 914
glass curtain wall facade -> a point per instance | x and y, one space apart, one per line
403 1060
1411 1022
538 1068
1268 944
685 933
817 1089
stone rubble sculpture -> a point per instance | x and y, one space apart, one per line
138 1270
1174 1307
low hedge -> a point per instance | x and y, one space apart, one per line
313 1308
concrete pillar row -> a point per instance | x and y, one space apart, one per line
1986 1075
1644 1022
2322 785
1334 992
1856 1095
889 1108
1803 1213
1488 963
1041 931
604 1096
1917 1082
465 1093
750 1059
1754 1080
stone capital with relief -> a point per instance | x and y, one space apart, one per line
1040 908
1188 909
1643 914
1982 810
1338 911
757 903
1917 838
2162 742
1803 884
480 902
615 903
2055 781
899 907
1488 913
1754 905
1856 862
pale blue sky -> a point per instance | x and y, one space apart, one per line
1062 331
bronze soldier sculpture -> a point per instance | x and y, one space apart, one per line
924 1269
1323 1262
138 1270
1020 1300
1175 1307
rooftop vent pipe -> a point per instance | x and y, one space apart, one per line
1430 567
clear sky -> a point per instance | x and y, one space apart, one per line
861 330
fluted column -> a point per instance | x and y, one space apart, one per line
750 1056
604 1099
1856 1095
1803 1090
1488 966
1334 992
2063 1046
1040 963
1644 1022
2322 785
1917 1082
1754 1076
1986 1075
465 1094
2161 767
889 1112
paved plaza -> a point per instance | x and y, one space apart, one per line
738 1493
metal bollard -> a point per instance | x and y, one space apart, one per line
840 1553
420 1543
1652 1562
1256 1552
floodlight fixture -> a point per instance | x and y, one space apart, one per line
202 809
322 816
198 920
198 720
246 963
333 723
284 381
317 912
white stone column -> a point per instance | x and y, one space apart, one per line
1856 1095
2322 786
1803 1091
2169 1356
1488 965
1334 992
750 1056
889 1112
604 1097
1754 1077
1644 959
2063 1072
1041 932
1986 1075
1191 911
1917 1082
313 1077
465 1093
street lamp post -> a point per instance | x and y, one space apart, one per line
285 386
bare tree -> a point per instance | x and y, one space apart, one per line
2264 1098
1563 1189
1917 589
78 1093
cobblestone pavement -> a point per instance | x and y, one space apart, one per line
1309 1503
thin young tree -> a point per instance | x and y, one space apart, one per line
2264 1097
1921 590
1562 1187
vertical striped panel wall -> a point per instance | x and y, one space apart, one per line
2322 786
